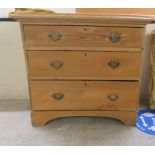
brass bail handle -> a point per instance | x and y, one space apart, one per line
113 97
115 37
114 64
57 64
55 36
58 96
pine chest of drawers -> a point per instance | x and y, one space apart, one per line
83 65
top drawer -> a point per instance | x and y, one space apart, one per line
81 37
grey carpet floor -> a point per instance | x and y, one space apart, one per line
16 129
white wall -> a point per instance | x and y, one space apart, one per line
4 12
13 82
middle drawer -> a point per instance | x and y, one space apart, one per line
84 65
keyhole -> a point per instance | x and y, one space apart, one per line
85 54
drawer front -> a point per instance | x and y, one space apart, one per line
84 65
80 95
81 37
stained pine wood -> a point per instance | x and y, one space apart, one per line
83 37
84 95
83 34
84 65
119 11
40 118
82 19
152 75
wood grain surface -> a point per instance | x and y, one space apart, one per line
40 118
119 11
84 95
85 85
84 37
79 65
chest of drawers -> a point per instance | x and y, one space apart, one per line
83 65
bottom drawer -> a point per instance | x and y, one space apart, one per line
84 95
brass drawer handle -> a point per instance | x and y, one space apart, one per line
57 64
114 64
114 37
55 36
113 97
58 96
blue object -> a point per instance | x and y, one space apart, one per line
146 121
